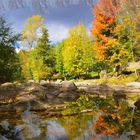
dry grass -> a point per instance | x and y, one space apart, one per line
120 80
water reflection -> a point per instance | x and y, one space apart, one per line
9 132
55 131
31 124
108 121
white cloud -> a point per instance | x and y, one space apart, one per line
57 32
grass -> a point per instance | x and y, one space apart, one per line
120 80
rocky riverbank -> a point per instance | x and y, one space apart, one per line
48 96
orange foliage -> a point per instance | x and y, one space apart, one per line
92 138
102 127
109 7
100 27
100 51
103 25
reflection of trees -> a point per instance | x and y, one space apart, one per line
114 119
118 121
75 125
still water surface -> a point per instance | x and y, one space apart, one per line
108 122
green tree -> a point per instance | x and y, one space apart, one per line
78 52
42 58
9 61
129 36
59 58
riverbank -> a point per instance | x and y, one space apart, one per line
50 96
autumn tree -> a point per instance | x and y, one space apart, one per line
112 40
109 8
31 30
9 61
78 52
131 8
26 72
102 30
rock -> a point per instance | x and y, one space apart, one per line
82 84
55 101
135 85
31 105
30 81
58 81
81 90
17 83
7 85
68 86
44 83
91 89
50 96
117 95
104 87
100 89
68 95
8 91
137 104
34 88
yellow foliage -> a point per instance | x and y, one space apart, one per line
31 29
77 52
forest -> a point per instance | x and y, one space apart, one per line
110 49
85 86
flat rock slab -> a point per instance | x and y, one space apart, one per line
133 85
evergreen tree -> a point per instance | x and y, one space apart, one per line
9 61
59 58
42 58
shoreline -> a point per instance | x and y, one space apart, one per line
51 96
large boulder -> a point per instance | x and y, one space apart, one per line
68 86
8 91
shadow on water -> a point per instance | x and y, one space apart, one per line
112 118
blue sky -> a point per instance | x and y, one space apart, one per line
58 19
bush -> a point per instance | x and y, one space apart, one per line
57 76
